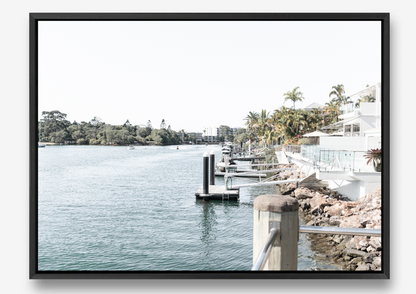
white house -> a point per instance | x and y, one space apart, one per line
339 160
360 126
313 106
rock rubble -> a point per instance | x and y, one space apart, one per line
325 207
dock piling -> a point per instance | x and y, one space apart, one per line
212 167
205 185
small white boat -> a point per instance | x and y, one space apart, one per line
41 145
130 147
226 151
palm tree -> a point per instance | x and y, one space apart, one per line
269 136
296 120
315 119
331 109
338 91
367 98
294 95
280 118
251 119
262 123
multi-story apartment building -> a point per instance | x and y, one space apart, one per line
198 136
230 131
209 136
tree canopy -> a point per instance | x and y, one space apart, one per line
55 128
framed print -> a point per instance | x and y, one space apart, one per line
209 145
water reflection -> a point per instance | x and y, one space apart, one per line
208 221
207 227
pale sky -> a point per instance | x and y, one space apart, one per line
197 74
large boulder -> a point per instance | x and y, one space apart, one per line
335 220
363 267
305 204
369 257
355 253
352 221
377 262
334 210
318 201
356 260
354 243
303 193
375 242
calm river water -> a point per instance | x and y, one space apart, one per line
110 208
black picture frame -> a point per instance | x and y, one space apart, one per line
35 18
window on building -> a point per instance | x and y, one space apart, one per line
356 128
347 128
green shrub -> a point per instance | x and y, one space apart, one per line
304 141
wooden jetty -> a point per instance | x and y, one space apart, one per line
247 158
271 183
245 174
218 193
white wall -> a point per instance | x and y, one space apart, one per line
14 155
368 108
344 143
373 142
350 143
351 189
367 123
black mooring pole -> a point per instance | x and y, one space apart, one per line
212 168
205 173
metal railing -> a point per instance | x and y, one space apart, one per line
340 231
292 148
274 234
265 251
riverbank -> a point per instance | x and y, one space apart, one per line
326 207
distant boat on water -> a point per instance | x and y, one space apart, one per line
41 145
130 147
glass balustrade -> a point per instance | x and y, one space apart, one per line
335 160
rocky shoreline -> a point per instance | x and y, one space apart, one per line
326 207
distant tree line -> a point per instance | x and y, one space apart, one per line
55 128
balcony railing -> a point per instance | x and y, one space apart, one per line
348 108
330 159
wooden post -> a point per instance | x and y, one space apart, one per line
283 209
